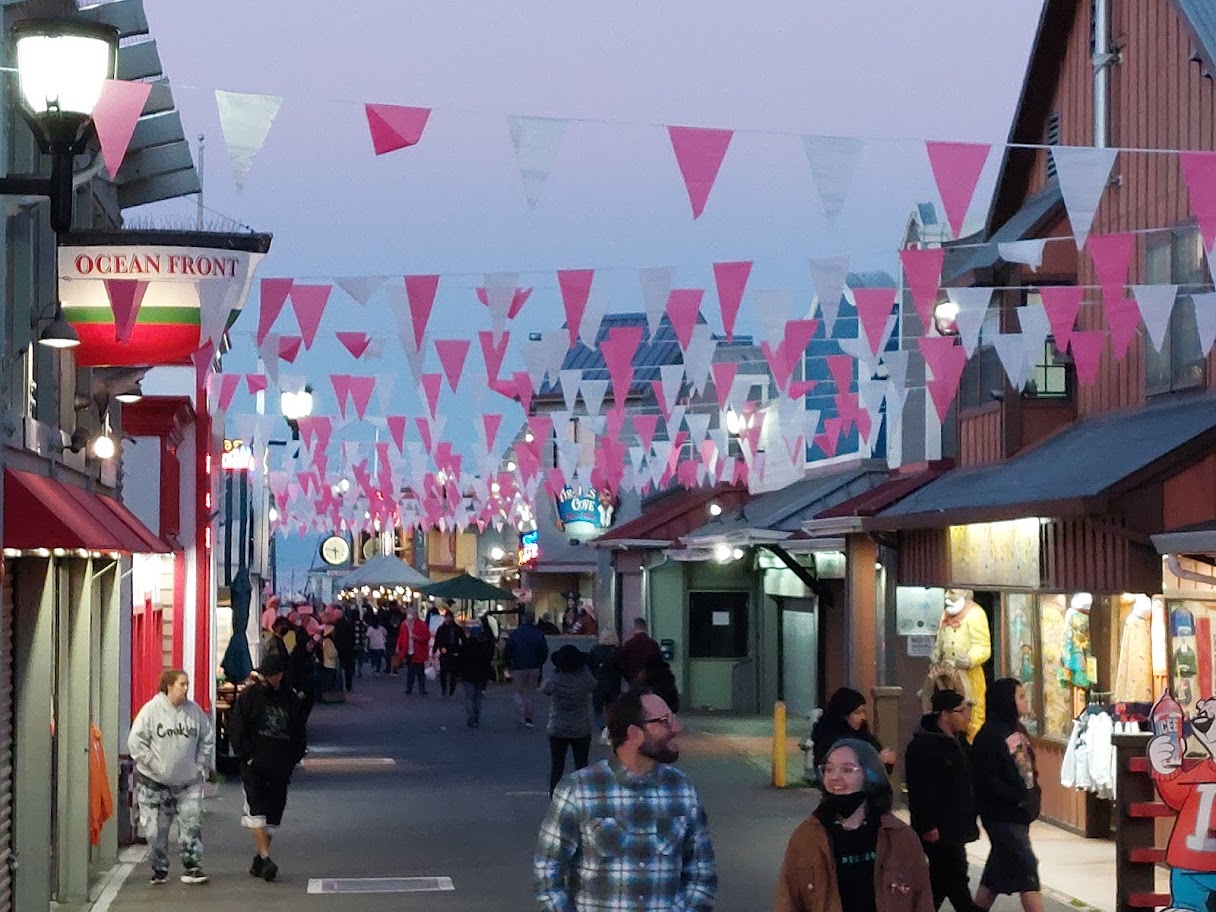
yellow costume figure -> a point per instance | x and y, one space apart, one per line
964 641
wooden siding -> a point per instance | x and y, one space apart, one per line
1190 496
1065 807
923 558
1099 556
981 435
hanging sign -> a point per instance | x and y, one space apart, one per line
237 456
584 514
529 548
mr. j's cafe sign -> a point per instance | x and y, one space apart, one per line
584 515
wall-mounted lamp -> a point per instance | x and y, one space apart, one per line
715 509
945 318
62 66
58 333
497 553
133 394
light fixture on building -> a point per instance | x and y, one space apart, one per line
735 424
877 565
497 553
295 406
737 554
272 514
58 333
945 318
511 466
344 485
62 66
11 552
723 552
495 487
130 395
715 508
104 446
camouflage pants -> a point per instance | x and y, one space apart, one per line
159 806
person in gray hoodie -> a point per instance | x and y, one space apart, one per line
570 686
171 742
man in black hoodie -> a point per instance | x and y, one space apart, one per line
267 732
1007 797
937 768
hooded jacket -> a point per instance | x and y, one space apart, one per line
833 724
937 770
266 729
171 745
526 648
1003 771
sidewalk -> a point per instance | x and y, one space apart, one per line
1078 872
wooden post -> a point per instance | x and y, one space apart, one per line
886 724
1137 809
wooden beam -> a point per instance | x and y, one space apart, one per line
139 61
157 130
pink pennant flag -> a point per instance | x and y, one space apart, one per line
420 290
731 279
645 425
797 338
829 440
355 342
396 427
523 389
1123 319
724 378
699 153
115 115
541 427
946 361
1112 255
799 388
228 387
957 168
452 354
493 352
660 397
1061 303
923 272
518 299
309 303
256 383
1199 172
424 431
618 348
575 285
778 363
1087 348
874 306
273 296
841 369
490 423
289 348
683 308
395 127
341 385
361 389
323 426
126 296
431 385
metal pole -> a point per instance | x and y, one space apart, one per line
202 145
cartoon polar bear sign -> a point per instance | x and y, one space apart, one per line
1188 786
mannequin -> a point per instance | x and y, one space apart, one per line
964 642
1134 675
1074 654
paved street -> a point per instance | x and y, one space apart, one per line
399 787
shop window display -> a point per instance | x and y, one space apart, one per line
1190 652
1054 637
1020 648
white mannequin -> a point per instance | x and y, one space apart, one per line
1142 607
1082 602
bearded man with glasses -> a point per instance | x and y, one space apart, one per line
628 834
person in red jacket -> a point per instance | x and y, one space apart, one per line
638 650
413 650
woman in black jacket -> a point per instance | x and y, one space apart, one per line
1007 797
845 717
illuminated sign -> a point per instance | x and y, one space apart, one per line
237 457
529 548
584 515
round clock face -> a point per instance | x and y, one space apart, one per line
335 550
369 549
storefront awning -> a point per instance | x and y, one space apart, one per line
1196 539
850 515
672 516
1074 473
42 512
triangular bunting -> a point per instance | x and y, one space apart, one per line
395 127
575 286
731 279
724 378
656 284
431 385
341 385
874 306
256 383
1028 252
972 304
361 389
420 291
645 426
957 168
272 297
215 300
699 153
1086 349
1205 319
115 115
361 288
1156 303
1062 303
309 302
945 361
1112 256
683 309
355 342
452 354
536 141
923 274
493 352
833 161
829 276
1083 173
1199 171
618 349
126 296
246 120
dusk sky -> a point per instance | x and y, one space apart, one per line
892 72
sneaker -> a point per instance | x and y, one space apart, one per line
259 863
270 871
159 877
195 876
528 723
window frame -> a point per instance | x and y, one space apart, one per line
1165 372
739 638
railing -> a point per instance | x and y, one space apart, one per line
1137 808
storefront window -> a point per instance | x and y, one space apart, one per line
1057 693
717 625
1019 648
1190 652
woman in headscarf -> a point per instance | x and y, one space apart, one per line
845 717
1007 797
852 853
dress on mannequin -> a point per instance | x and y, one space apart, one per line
1074 655
1134 675
964 641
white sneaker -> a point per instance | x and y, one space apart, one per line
195 877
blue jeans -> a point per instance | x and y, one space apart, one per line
1191 889
415 671
472 701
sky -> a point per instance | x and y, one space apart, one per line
891 72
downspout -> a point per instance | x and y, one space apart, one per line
1171 561
1103 59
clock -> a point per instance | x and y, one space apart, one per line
369 549
335 550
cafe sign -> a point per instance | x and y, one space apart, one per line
529 548
584 514
237 456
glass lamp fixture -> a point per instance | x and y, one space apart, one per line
295 406
723 552
62 67
272 514
104 446
497 553
131 395
59 333
734 423
945 318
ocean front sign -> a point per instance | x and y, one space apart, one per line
584 515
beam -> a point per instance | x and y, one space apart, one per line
808 578
161 187
125 15
156 130
139 61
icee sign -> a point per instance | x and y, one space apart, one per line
584 515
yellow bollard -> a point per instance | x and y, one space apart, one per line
779 743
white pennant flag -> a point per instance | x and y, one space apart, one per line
1205 319
1156 303
1014 350
215 302
833 161
870 395
536 361
1028 253
698 427
269 353
897 367
361 288
536 141
1083 173
671 378
570 380
698 356
829 276
859 349
246 119
593 395
384 390
972 304
773 307
593 316
500 293
656 289
556 343
677 420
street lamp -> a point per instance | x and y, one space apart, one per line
945 318
295 406
62 66
497 553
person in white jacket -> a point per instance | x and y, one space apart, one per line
171 742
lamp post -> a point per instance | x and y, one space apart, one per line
62 66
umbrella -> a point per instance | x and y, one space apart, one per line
237 663
384 570
469 588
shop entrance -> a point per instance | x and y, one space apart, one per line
799 633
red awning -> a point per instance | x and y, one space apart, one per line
893 490
41 512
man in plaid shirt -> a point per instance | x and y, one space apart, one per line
628 834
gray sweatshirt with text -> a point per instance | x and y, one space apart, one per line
171 744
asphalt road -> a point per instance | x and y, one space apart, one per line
398 786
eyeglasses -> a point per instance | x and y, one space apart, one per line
844 769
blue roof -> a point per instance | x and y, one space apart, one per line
927 212
1200 16
971 253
